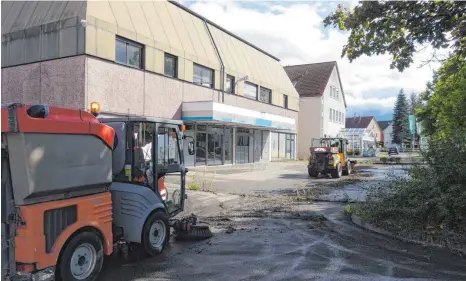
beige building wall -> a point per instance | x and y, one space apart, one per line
374 128
310 124
164 28
160 26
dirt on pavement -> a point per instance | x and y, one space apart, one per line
277 238
277 235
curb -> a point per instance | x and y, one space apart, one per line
359 222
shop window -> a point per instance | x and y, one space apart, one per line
230 84
128 52
170 65
250 91
265 95
203 76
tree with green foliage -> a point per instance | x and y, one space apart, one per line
444 112
431 202
401 28
400 119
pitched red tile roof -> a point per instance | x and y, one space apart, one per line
311 79
358 122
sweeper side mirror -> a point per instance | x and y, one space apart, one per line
191 148
190 144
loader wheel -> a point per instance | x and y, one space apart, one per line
312 172
337 172
347 170
82 258
156 233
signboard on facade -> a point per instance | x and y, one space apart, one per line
411 124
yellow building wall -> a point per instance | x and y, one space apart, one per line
160 26
164 28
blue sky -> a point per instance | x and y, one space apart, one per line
293 31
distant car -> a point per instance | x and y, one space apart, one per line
393 150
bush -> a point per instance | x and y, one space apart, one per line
434 196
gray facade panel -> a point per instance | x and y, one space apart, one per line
32 49
16 51
50 45
24 16
40 14
68 45
6 6
55 11
12 16
41 30
73 9
5 53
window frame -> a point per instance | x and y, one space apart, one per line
259 95
285 101
212 86
251 84
175 66
232 79
128 42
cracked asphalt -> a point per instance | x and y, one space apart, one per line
264 234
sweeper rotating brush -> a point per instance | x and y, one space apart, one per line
186 229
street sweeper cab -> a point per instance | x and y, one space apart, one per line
75 189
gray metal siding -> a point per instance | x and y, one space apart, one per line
42 30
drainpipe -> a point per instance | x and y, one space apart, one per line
222 66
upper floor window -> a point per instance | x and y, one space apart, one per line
265 95
330 114
203 76
230 84
250 91
337 94
128 52
171 65
285 101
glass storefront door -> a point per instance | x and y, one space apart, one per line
214 148
227 145
242 146
201 148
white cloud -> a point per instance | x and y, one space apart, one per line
293 32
